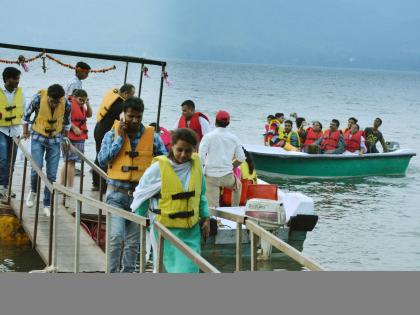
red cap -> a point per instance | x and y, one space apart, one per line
223 116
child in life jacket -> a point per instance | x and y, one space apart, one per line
80 111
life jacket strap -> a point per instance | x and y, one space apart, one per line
127 168
11 107
10 118
132 154
183 195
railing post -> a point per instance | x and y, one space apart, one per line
160 98
99 233
38 192
107 242
142 267
141 79
238 246
77 237
51 225
254 243
11 169
159 267
66 167
22 195
55 218
82 171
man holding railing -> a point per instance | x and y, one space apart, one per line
51 123
127 149
12 105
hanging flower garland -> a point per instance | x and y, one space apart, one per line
165 78
146 72
22 61
73 67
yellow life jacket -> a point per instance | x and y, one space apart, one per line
245 172
46 123
179 208
110 97
288 137
11 114
130 165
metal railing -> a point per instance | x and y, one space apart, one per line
256 232
163 233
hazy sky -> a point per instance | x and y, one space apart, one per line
358 33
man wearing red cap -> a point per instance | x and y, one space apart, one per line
217 150
196 121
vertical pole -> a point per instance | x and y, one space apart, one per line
160 253
160 98
9 193
82 175
254 240
126 72
107 242
77 237
38 192
51 230
141 79
99 233
22 195
142 248
238 246
55 218
66 167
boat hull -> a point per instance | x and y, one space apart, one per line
329 165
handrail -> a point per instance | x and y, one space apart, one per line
258 231
202 263
35 167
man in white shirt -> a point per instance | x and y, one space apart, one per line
220 151
196 121
81 73
12 106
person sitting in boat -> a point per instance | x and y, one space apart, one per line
109 111
178 174
301 125
332 141
196 121
80 111
354 141
373 135
351 121
267 127
247 168
312 135
275 131
164 134
127 149
80 73
291 138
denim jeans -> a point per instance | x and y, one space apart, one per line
6 144
123 231
52 157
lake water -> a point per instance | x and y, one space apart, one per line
364 224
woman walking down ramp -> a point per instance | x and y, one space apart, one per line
173 192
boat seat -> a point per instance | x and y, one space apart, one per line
227 194
262 191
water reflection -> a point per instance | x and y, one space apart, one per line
19 258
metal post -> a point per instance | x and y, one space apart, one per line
50 234
9 193
254 241
107 242
22 195
77 237
99 233
160 98
141 79
38 192
66 167
238 246
142 248
126 72
82 172
55 218
159 267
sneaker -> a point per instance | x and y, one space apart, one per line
30 200
47 211
94 188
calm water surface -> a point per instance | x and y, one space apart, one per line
365 224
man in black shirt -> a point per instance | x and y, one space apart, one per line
373 135
109 111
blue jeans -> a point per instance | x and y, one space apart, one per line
52 157
123 231
6 144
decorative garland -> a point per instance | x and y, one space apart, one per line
22 61
73 67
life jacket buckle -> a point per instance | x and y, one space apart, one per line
132 154
11 107
52 121
49 130
127 168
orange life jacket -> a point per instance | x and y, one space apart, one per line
312 136
330 140
78 118
353 141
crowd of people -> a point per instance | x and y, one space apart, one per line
171 178
313 139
